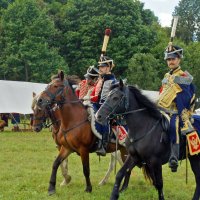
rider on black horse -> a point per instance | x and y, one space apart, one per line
177 97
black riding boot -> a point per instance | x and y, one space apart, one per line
102 147
173 160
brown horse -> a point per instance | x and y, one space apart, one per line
75 133
55 125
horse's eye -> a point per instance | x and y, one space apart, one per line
39 100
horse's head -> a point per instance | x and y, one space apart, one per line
53 92
44 102
116 102
39 114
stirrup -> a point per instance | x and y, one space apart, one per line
101 151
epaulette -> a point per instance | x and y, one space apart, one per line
186 78
180 77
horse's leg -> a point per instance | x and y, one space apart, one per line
110 169
63 167
61 156
84 153
120 175
64 170
195 165
158 182
153 171
119 158
128 173
127 177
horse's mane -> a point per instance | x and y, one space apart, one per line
73 79
113 86
145 102
34 101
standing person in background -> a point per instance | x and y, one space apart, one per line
15 121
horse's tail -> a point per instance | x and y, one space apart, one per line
146 172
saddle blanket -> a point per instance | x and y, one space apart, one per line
193 143
121 133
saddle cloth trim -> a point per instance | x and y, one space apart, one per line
193 143
119 131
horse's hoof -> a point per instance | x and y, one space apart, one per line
88 189
66 181
51 192
113 198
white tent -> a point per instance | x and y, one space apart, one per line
16 96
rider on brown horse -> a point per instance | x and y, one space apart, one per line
98 96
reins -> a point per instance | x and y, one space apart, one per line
121 115
62 102
76 126
128 112
49 103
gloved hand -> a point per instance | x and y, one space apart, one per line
86 98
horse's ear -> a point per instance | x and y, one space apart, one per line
34 94
61 75
121 83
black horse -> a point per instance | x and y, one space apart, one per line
147 142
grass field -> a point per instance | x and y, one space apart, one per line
25 168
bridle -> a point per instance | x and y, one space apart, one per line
123 100
42 102
120 116
49 106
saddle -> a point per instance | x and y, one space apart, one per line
165 121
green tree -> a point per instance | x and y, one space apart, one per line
191 62
159 48
83 22
142 71
27 35
4 4
189 22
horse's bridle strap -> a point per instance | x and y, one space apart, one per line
130 112
76 126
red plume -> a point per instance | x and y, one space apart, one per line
107 32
